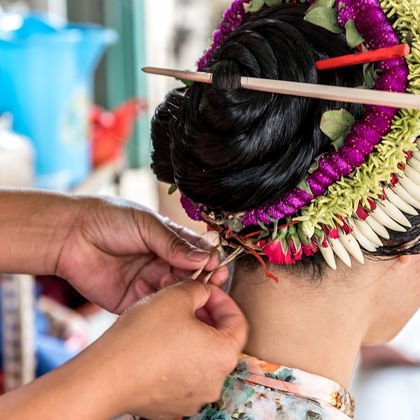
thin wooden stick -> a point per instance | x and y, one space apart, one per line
196 275
225 262
333 93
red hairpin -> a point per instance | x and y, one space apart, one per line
397 51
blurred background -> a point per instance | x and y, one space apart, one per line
74 116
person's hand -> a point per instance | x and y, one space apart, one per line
117 252
162 360
157 361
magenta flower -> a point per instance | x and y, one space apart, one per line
362 213
310 250
332 233
343 225
274 251
296 248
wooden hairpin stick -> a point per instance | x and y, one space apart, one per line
228 260
333 93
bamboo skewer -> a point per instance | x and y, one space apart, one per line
228 260
333 93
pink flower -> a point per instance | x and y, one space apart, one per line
343 225
362 213
310 250
394 180
372 204
296 249
332 233
278 252
289 257
274 251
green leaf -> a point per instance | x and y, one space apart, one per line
370 74
315 164
322 3
339 143
352 34
341 6
302 236
254 6
264 228
304 186
187 83
234 225
325 17
336 125
172 189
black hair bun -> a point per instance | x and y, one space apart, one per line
236 149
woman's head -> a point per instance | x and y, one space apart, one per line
235 150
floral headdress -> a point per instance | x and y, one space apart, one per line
351 196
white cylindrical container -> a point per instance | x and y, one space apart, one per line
16 157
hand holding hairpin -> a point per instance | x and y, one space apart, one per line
225 262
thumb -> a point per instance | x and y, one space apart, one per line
171 247
228 318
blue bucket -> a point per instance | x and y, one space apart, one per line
46 82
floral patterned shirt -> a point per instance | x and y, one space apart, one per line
258 390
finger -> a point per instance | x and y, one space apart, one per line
154 271
197 294
168 280
143 288
220 277
203 315
169 246
219 280
138 289
227 316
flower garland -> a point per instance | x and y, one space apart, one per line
348 182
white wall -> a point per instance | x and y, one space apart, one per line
163 17
55 7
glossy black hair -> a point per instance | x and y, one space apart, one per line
235 149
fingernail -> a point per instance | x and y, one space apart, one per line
198 255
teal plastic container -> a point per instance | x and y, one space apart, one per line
46 82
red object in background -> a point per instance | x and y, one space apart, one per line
397 51
112 129
1 383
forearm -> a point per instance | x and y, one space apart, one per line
79 390
33 227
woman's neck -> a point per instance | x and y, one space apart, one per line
303 326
